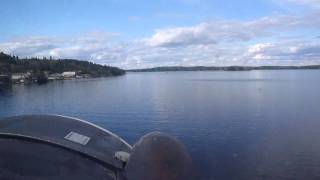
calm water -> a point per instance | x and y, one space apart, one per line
236 125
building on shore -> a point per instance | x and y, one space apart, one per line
69 75
20 77
17 77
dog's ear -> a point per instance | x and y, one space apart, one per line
159 157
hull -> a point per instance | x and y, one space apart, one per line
57 147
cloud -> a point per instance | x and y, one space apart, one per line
136 54
81 46
30 46
296 51
264 41
310 3
204 33
231 31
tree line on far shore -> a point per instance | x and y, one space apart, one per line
13 64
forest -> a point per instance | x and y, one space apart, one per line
13 64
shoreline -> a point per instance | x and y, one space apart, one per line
27 81
223 68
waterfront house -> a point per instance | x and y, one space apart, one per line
18 77
69 74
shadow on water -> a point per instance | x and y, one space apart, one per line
5 89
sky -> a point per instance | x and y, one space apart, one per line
143 33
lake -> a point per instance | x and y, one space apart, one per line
236 125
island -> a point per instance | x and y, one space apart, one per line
221 68
29 70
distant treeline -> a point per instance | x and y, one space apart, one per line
216 68
14 64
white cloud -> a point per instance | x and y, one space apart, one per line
81 46
204 33
136 54
30 46
295 51
219 43
232 31
310 3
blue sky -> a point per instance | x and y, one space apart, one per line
63 17
143 33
